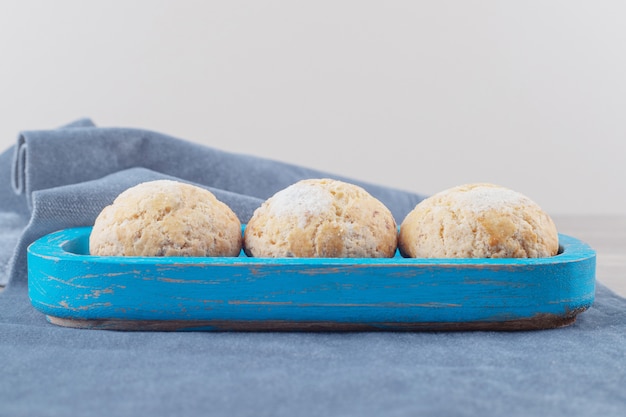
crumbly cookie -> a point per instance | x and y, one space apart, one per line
478 221
166 218
321 218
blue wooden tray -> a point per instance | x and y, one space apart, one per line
75 289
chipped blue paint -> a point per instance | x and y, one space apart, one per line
66 282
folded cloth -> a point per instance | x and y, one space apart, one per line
82 152
62 178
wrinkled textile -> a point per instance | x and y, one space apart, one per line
63 177
55 179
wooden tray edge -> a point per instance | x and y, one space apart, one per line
538 322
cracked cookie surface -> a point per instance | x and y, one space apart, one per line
166 218
321 218
478 221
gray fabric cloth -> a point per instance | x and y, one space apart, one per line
54 179
63 177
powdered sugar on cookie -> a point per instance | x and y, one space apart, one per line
478 221
321 218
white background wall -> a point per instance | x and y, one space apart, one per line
421 95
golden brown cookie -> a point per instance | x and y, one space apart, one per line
321 218
478 221
166 218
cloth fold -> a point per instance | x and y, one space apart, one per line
20 170
82 152
63 177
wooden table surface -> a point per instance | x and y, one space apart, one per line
607 235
